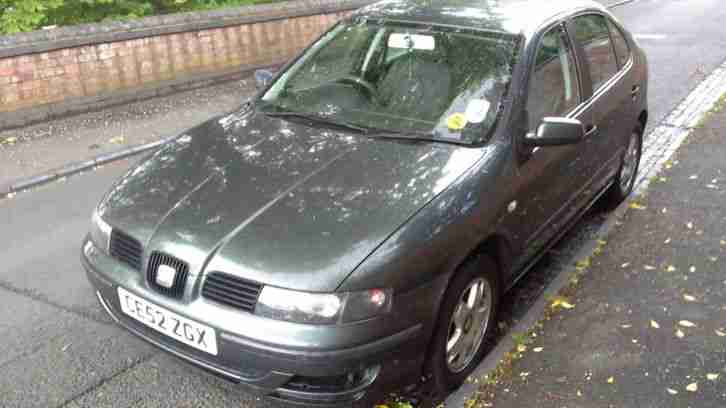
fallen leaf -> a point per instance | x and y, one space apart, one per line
712 376
654 324
611 380
521 348
524 374
625 265
680 334
692 269
538 349
671 268
117 140
662 179
692 387
671 391
693 177
664 210
688 297
649 267
686 323
559 301
11 140
723 242
720 333
637 206
689 225
579 393
626 326
667 241
713 258
712 186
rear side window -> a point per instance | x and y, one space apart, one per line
593 34
553 86
622 50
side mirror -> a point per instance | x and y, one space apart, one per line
556 132
263 77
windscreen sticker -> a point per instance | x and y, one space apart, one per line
412 41
477 110
456 121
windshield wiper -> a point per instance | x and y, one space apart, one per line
315 117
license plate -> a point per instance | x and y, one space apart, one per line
171 324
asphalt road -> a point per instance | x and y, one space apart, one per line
59 350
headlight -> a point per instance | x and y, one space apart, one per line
322 308
100 232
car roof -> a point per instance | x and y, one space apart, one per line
509 16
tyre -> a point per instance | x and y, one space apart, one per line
628 172
466 319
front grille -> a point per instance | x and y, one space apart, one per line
125 248
231 290
182 271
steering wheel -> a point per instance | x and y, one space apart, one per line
361 83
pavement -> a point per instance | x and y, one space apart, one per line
38 149
646 324
60 350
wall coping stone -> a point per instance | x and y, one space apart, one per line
74 36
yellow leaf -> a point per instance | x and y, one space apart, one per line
649 267
538 349
671 391
654 324
611 380
381 406
692 269
560 301
692 387
11 140
720 333
723 242
579 393
671 268
689 225
663 179
680 334
667 241
637 206
521 348
117 140
712 376
688 297
687 323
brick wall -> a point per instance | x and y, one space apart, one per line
42 70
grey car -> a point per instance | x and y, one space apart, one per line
358 220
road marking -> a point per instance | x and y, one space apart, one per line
650 36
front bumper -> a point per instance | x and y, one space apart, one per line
306 376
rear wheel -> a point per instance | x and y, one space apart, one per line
625 179
465 321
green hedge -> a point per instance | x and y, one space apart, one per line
28 15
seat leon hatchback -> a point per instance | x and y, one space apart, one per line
357 221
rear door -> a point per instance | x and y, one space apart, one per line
607 86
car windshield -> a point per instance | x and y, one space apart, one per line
399 81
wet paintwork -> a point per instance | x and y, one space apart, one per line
279 201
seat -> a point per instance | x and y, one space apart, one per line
417 85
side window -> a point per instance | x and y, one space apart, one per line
622 50
553 85
592 32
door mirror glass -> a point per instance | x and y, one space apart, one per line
263 77
556 132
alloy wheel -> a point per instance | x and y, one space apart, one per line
468 323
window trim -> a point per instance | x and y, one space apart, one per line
621 32
581 51
562 25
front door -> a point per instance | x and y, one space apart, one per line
549 178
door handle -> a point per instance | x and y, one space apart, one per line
591 130
635 91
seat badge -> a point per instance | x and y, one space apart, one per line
165 275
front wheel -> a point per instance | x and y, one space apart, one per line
465 320
628 173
